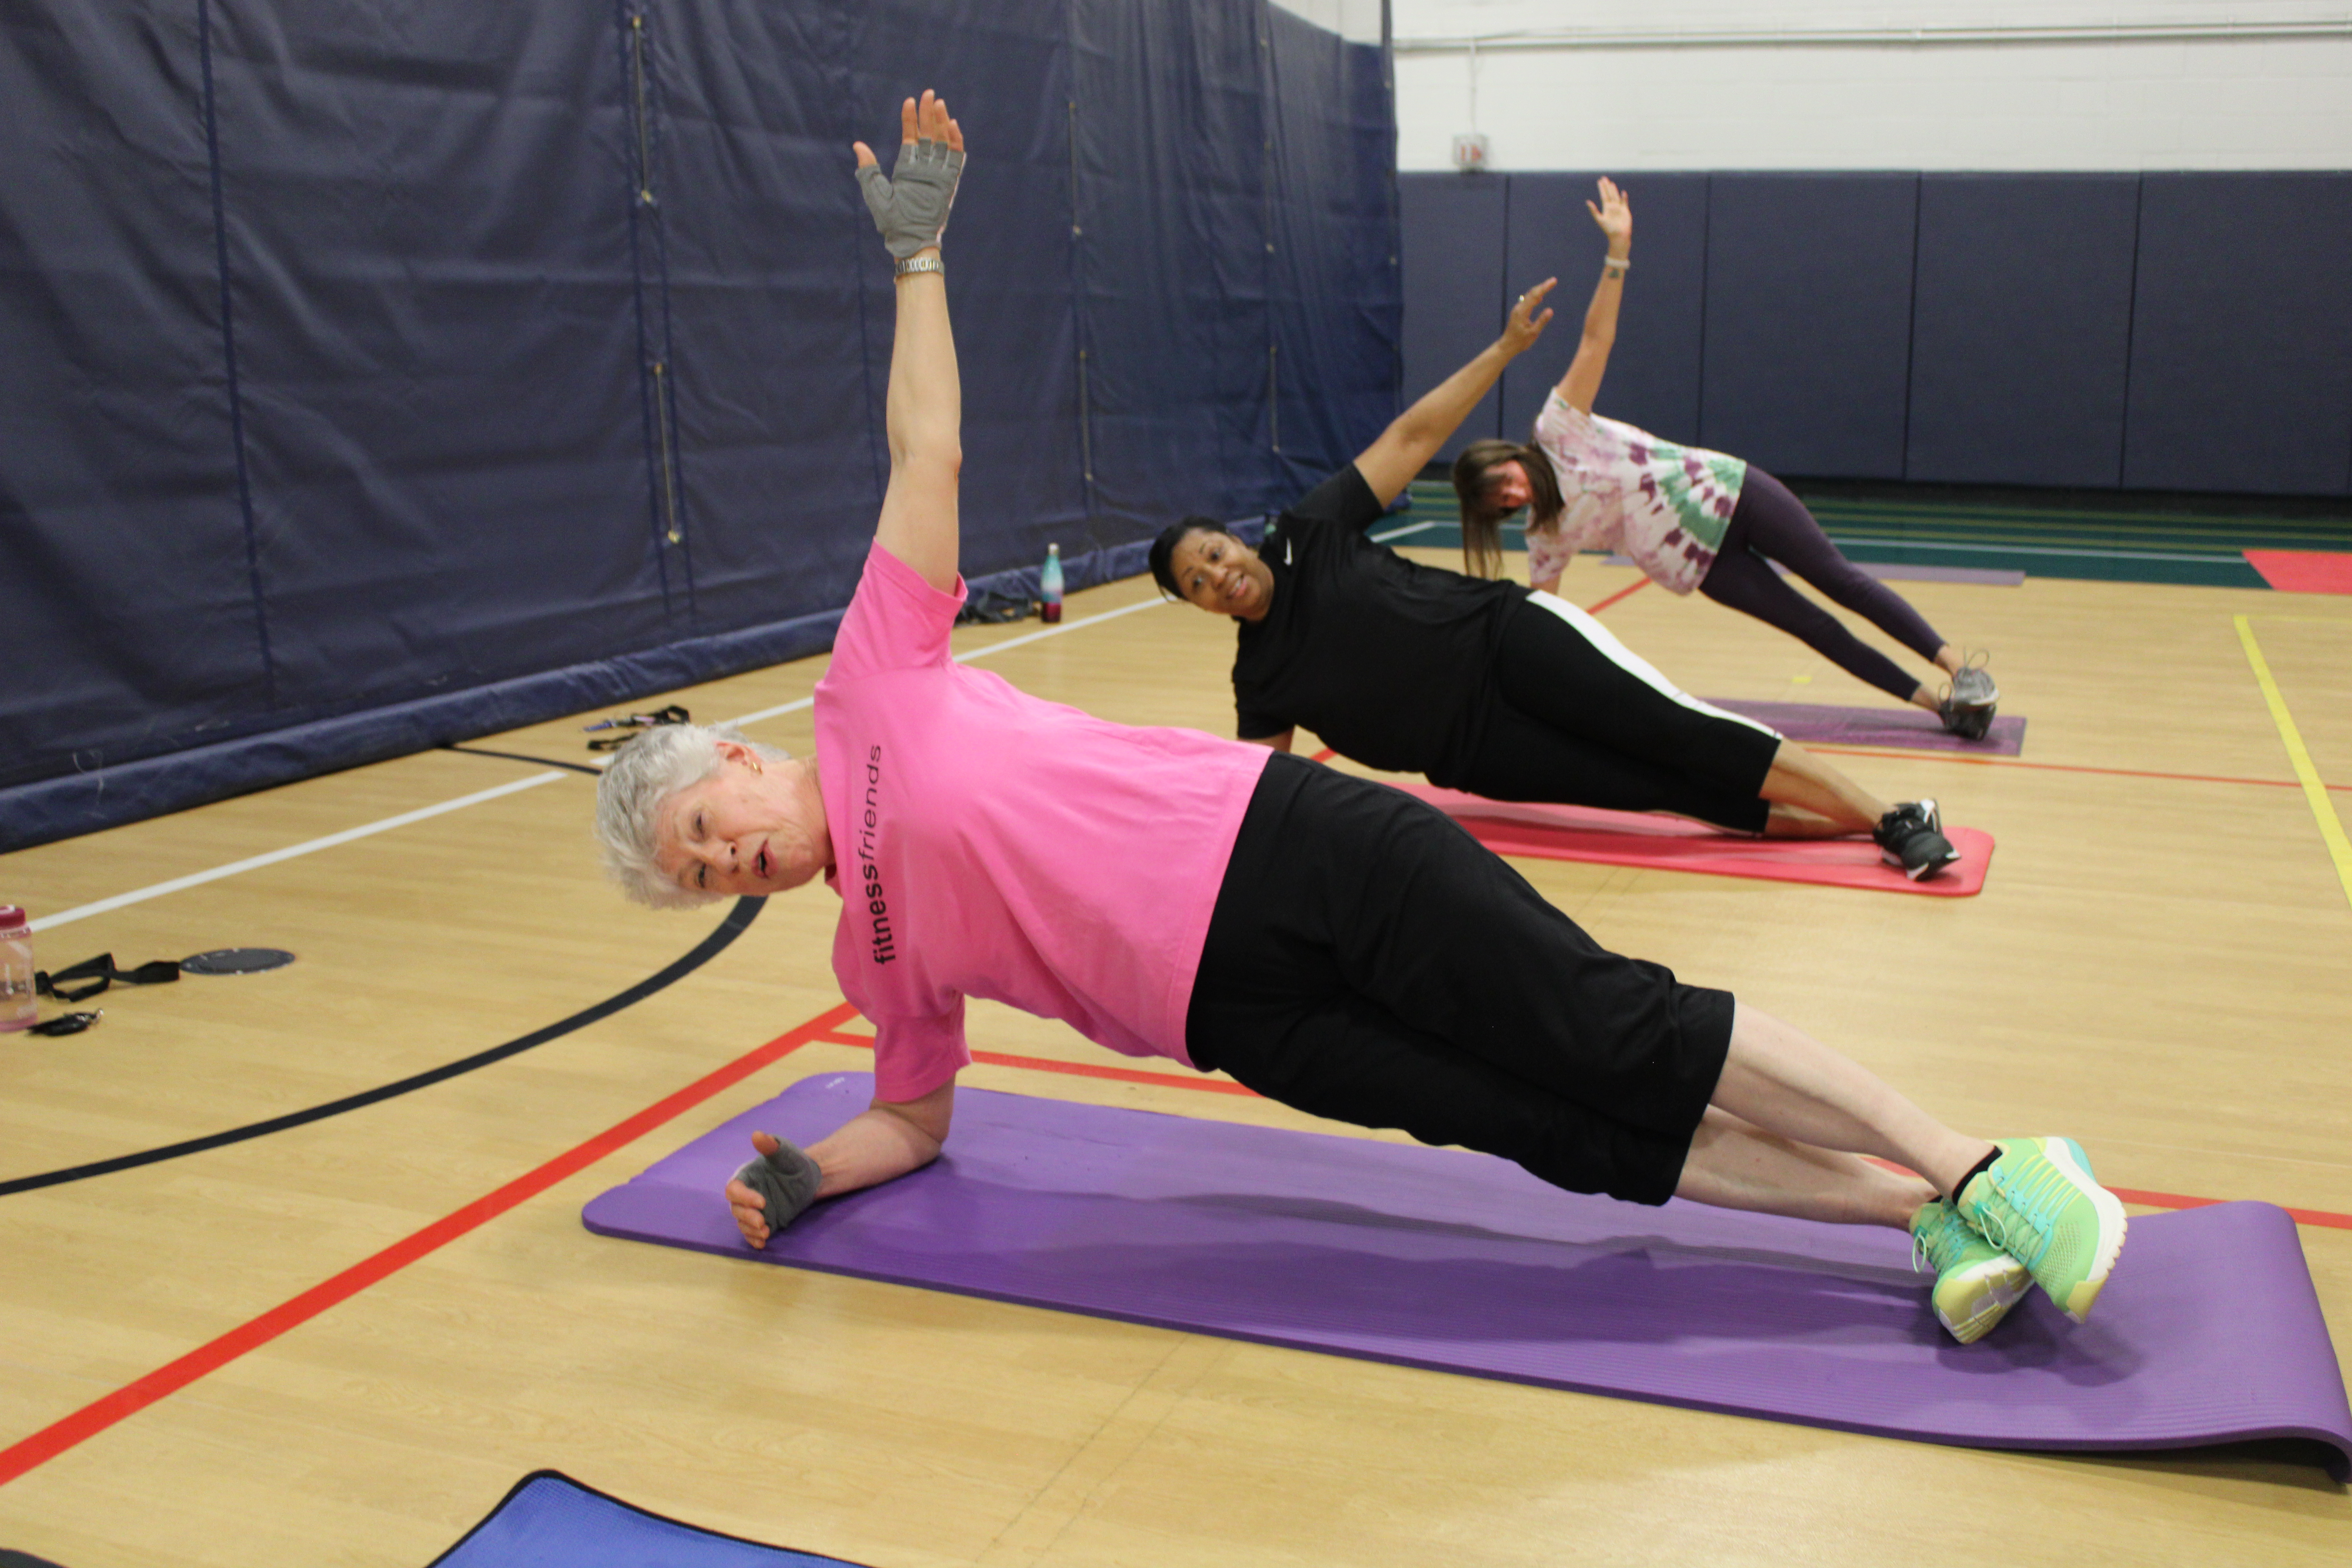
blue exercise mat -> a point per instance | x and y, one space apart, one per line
550 1520
2210 1333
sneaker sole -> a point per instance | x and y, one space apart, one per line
2002 1288
1920 873
2068 1156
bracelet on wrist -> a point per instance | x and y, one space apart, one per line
1616 263
913 264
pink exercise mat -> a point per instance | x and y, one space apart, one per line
1670 844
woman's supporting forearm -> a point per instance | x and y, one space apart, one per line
876 1145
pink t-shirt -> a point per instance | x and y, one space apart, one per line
988 844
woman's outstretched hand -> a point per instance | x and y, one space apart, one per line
1614 216
1520 332
910 204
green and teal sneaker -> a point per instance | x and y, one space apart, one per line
2038 1203
1976 1282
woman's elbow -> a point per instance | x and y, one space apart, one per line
939 456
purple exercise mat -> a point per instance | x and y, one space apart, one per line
2210 1333
1914 728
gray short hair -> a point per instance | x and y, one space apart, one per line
646 772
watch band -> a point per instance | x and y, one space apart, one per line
913 264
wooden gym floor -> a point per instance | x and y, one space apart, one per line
2158 967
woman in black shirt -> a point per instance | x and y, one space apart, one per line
1484 686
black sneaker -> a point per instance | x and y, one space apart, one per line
1911 839
1968 708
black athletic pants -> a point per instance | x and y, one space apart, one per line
1770 524
1582 722
1370 962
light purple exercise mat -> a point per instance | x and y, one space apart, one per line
2210 1331
1913 728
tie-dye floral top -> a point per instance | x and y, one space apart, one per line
1665 506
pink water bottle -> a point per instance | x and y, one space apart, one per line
19 1009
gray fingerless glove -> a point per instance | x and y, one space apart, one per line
910 208
786 1181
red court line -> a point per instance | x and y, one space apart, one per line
1906 755
1076 1070
1635 588
134 1396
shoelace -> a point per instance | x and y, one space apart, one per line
1974 658
1939 1243
2028 1200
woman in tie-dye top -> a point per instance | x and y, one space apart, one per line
1690 518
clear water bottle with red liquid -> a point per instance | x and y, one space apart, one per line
18 1007
1049 585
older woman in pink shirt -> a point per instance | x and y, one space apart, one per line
1330 943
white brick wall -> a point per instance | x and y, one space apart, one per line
2203 103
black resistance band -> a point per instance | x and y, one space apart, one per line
737 921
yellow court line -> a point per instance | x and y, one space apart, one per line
2331 828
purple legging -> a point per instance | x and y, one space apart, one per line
1771 524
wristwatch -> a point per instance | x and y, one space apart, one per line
913 264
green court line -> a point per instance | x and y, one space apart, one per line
2100 544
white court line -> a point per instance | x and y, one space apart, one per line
101 905
83 911
976 653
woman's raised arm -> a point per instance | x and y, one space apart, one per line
1581 384
926 398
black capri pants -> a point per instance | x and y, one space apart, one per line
1370 962
1579 718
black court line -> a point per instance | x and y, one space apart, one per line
518 757
737 921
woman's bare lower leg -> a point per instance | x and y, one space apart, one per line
1781 1079
1800 779
1734 1165
1786 821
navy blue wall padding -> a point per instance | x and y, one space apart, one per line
430 282
1335 287
72 804
1170 172
2021 328
2152 331
376 371
2241 334
1454 228
754 297
1808 361
119 506
1654 370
